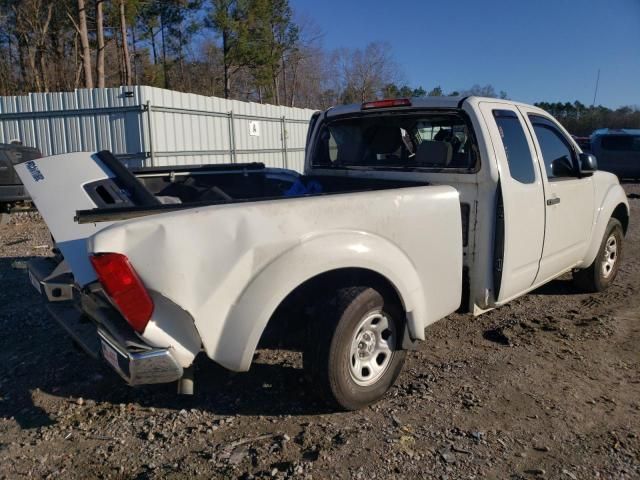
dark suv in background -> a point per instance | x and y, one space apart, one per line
11 190
617 151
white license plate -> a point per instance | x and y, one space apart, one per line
110 356
34 281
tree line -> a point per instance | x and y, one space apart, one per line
582 120
252 50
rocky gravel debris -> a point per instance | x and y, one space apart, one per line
546 387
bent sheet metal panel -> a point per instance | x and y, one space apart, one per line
203 259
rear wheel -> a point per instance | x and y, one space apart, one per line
353 352
602 272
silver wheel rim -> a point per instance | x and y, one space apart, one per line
610 256
372 347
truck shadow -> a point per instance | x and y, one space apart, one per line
561 286
41 370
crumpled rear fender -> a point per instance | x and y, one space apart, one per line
247 320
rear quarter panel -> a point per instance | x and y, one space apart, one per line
230 266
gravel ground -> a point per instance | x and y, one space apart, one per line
547 386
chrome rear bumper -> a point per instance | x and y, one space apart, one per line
99 329
155 365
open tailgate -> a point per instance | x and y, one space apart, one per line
59 186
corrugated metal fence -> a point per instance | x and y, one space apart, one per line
147 126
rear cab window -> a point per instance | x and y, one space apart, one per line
432 141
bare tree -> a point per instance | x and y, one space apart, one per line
32 22
83 31
364 73
302 63
307 77
100 38
126 58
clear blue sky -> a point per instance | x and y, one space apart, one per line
535 50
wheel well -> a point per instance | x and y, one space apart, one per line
287 326
620 213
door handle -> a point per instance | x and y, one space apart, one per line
553 201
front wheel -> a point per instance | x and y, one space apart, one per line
602 272
353 352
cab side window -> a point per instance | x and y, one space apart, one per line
515 146
557 154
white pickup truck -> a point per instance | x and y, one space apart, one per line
408 210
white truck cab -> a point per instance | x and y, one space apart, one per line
407 210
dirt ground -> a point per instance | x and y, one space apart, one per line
548 386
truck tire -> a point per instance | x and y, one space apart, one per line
602 272
353 353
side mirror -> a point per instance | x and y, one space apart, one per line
588 164
562 167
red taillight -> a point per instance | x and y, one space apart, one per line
392 102
121 282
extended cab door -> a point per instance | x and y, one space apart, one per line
520 208
569 198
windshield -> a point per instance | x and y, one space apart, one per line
433 141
